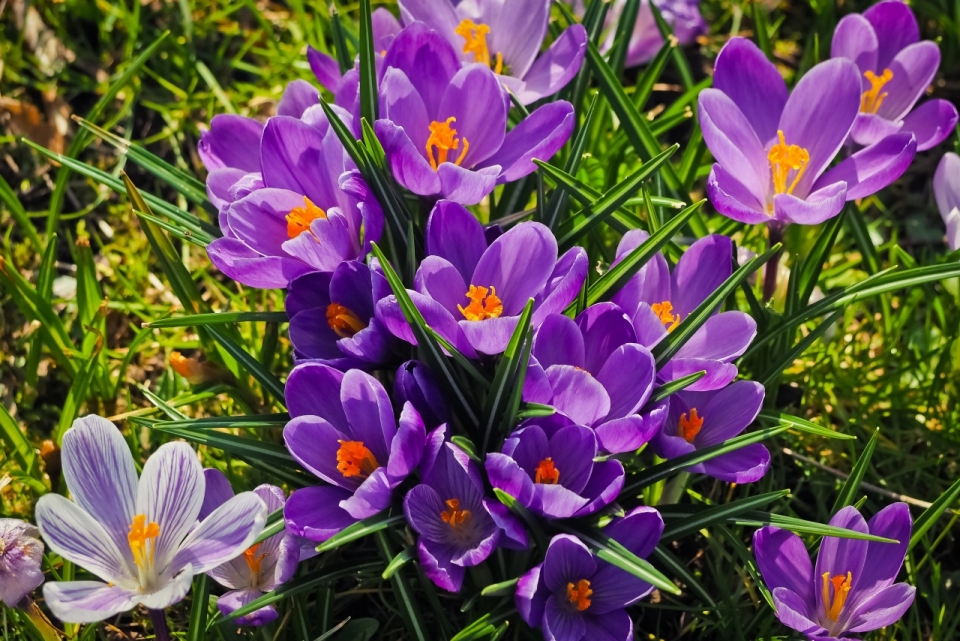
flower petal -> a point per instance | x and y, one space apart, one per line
407 163
251 268
217 492
561 623
896 28
315 513
797 614
753 83
746 465
223 535
578 394
733 199
559 342
726 412
556 67
885 559
872 168
406 449
839 556
314 443
518 265
567 560
700 271
426 56
540 135
435 559
231 141
236 599
454 234
369 412
171 591
87 601
824 203
913 70
299 96
442 282
475 100
627 376
784 562
885 608
931 123
605 328
466 186
855 39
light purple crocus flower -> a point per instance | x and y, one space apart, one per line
332 317
594 371
683 16
946 189
472 292
555 476
305 211
773 148
574 596
895 70
701 419
458 527
444 128
415 384
852 588
263 566
21 553
506 37
344 431
657 301
141 537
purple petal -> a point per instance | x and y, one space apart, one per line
839 556
292 157
325 68
734 200
873 168
87 601
639 530
870 128
531 596
219 182
578 394
422 507
884 559
628 433
407 163
369 412
260 219
313 389
627 376
784 561
931 123
700 271
402 105
475 100
435 559
490 336
797 614
746 465
946 183
913 69
299 96
466 186
329 242
454 234
605 484
427 58
518 265
563 286
372 497
244 265
315 513
218 492
605 328
506 475
438 318
236 599
556 66
753 83
223 535
855 39
723 337
560 622
232 141
896 28
573 449
442 282
540 136
517 31
726 412
169 592
558 342
555 501
615 589
407 446
718 374
314 443
567 560
824 203
415 384
883 609
612 626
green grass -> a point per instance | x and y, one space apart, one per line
72 338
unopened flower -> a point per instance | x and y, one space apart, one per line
946 188
773 148
345 432
852 588
140 537
472 292
263 566
574 596
895 68
21 553
415 384
506 37
444 128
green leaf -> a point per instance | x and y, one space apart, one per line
197 625
803 425
401 559
679 570
17 443
800 526
930 515
504 380
624 34
248 448
220 318
812 263
360 529
369 95
849 490
270 383
225 422
504 588
407 600
703 519
763 30
776 368
19 215
78 390
550 213
651 74
667 389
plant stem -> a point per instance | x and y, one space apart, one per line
159 620
770 271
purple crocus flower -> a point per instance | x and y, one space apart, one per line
852 588
506 37
332 317
555 476
472 292
263 566
574 596
415 384
306 212
594 371
773 148
683 16
895 69
141 537
344 431
21 553
458 527
443 127
946 188
657 301
702 419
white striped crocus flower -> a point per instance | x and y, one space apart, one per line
140 536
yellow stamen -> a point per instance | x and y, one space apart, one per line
142 540
783 159
475 42
688 428
453 515
482 306
547 472
186 367
253 561
663 311
841 588
579 595
871 99
299 218
442 139
354 459
343 321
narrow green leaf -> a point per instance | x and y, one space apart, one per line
803 425
17 443
270 383
651 74
775 369
405 597
369 95
19 215
849 490
762 29
677 568
550 215
624 34
401 559
77 394
504 379
667 389
800 526
930 515
718 514
360 529
249 448
225 422
220 318
504 588
197 625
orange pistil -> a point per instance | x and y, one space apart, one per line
664 313
453 515
688 428
482 306
442 139
354 459
579 595
253 561
841 588
299 218
475 42
547 472
343 321
783 159
142 540
871 99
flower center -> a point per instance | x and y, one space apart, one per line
841 588
343 321
454 516
354 459
547 472
142 539
253 561
663 311
783 159
442 139
688 428
299 218
482 306
871 99
475 42
579 595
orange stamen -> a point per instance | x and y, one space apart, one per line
663 311
354 459
547 472
453 515
482 306
343 321
254 561
871 99
142 540
299 218
579 595
689 428
841 588
783 159
442 139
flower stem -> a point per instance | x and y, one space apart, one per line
770 271
159 620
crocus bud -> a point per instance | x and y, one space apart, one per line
415 383
20 555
